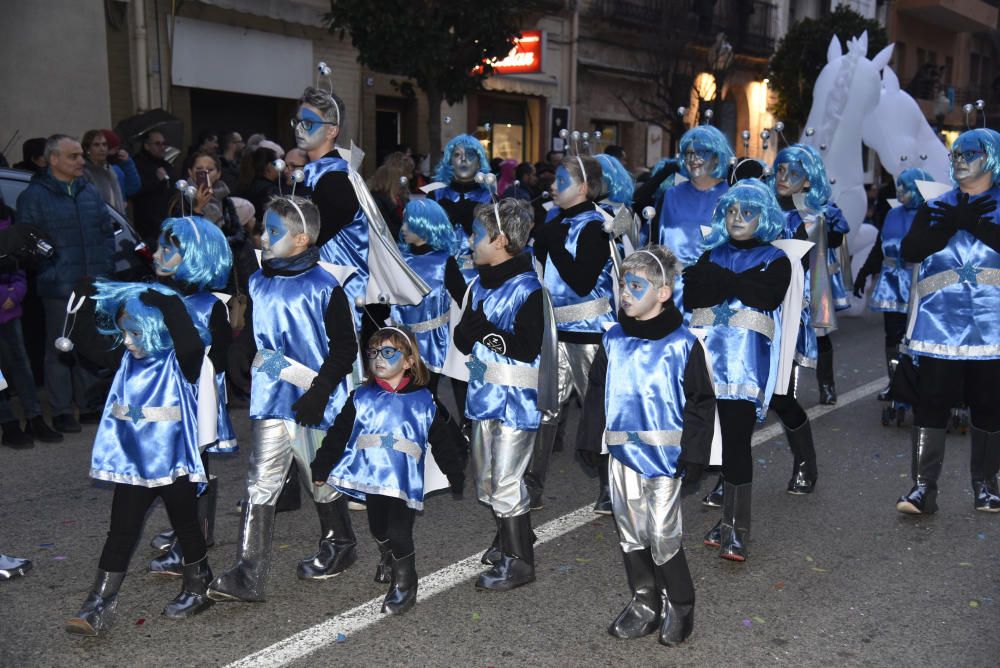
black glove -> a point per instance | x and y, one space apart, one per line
978 212
948 218
475 326
860 281
456 481
19 239
311 406
159 300
711 274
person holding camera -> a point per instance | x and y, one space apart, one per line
69 211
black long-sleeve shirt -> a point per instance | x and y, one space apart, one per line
757 287
334 196
645 194
454 281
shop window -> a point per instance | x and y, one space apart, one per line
610 134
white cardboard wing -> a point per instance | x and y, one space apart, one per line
931 189
454 361
894 203
791 309
208 404
431 187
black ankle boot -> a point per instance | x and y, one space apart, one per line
804 475
337 545
517 561
247 580
538 468
163 541
15 437
824 376
170 562
603 504
383 572
673 580
98 611
642 614
37 427
193 598
735 522
714 498
402 594
891 362
925 468
492 555
714 536
983 465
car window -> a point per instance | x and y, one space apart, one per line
11 189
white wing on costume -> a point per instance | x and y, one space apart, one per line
548 205
715 454
339 271
454 361
434 479
931 189
222 297
705 230
791 307
431 187
208 404
679 179
894 203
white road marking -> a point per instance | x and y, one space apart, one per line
358 618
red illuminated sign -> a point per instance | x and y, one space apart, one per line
524 58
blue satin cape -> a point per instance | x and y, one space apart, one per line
891 293
463 253
433 344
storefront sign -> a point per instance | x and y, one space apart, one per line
524 58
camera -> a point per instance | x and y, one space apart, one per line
37 247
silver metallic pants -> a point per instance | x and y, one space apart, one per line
500 456
575 360
647 511
276 444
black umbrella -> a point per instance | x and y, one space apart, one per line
132 128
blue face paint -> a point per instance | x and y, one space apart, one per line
479 233
790 172
131 335
563 179
310 121
700 152
636 285
278 240
167 258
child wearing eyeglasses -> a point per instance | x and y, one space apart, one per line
376 451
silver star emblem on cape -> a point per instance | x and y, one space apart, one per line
722 314
274 362
967 273
477 370
134 414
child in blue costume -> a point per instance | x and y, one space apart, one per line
376 451
194 258
891 293
427 241
502 330
576 253
954 331
618 183
303 346
735 291
705 155
799 170
147 440
651 401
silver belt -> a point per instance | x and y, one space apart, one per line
389 441
584 311
943 279
147 413
658 438
428 325
744 318
291 371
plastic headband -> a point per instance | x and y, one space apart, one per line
298 211
496 211
583 172
405 335
663 271
194 226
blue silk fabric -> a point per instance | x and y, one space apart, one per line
463 254
835 222
683 211
515 407
960 320
200 305
806 347
382 469
563 295
432 343
891 293
645 392
744 362
139 451
288 314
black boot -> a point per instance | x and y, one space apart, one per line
170 562
193 598
984 464
677 595
538 468
15 437
890 368
603 505
402 594
37 427
714 536
290 498
247 580
925 468
793 386
735 522
492 555
383 572
800 440
206 511
824 376
642 614
98 611
517 563
163 541
337 544
714 498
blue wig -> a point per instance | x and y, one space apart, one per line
711 138
113 298
982 139
818 194
668 182
908 179
443 172
207 258
618 182
753 195
429 221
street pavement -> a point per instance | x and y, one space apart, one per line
835 578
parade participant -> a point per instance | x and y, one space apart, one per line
376 451
11 567
891 293
651 400
618 184
576 253
147 440
427 244
798 171
502 330
686 207
735 291
194 258
301 339
953 329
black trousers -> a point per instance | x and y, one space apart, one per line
128 515
895 328
943 384
737 419
789 410
391 519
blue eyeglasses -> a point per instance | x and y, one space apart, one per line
703 154
966 156
307 124
387 352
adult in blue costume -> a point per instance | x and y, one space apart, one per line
954 332
502 331
302 343
377 448
576 253
147 440
735 291
890 294
652 402
194 258
705 156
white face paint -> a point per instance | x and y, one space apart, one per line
277 240
700 161
131 335
741 222
410 237
464 163
904 195
310 128
167 257
967 161
639 299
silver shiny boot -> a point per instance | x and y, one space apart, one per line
98 611
12 567
247 580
